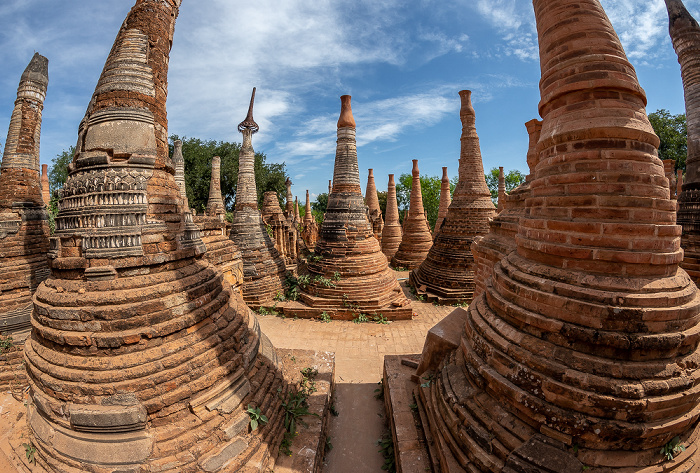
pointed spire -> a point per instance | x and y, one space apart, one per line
371 198
445 200
289 204
307 214
330 186
297 216
249 123
392 232
45 189
179 164
501 190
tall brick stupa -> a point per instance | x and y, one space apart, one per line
142 357
392 232
263 266
352 274
447 274
445 200
582 351
373 211
417 239
24 228
685 35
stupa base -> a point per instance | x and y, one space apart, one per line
324 308
441 295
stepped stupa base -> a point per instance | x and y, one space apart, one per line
320 306
440 295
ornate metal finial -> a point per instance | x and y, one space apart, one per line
249 123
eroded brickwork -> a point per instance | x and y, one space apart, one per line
263 266
45 188
350 274
310 228
447 274
374 213
24 229
283 234
392 231
581 351
416 239
143 357
445 200
215 204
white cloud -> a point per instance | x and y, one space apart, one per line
641 25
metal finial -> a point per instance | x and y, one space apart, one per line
249 123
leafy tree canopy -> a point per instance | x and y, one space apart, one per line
198 153
673 133
58 171
430 189
513 179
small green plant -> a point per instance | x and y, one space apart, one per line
286 443
428 379
329 445
315 258
29 451
323 281
256 417
292 287
420 297
336 276
413 407
263 311
293 358
280 297
380 319
268 228
334 410
379 392
460 304
5 343
325 317
672 448
360 319
585 467
386 448
303 281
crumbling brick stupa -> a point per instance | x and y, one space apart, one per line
282 233
583 349
263 266
446 276
685 35
445 201
45 188
349 274
309 227
489 249
416 239
392 231
24 228
374 212
142 357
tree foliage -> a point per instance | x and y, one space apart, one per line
673 133
58 171
430 189
198 153
513 179
319 206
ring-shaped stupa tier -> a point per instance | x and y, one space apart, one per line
489 249
583 349
392 231
24 227
142 357
685 35
446 276
416 239
349 274
263 266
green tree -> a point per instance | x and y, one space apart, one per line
513 179
382 203
673 133
58 171
198 153
319 206
430 190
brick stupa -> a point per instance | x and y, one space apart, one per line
310 228
45 188
392 231
447 274
263 266
215 203
351 275
24 228
582 352
417 239
141 357
445 201
501 190
685 35
282 232
374 213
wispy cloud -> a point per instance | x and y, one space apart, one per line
641 26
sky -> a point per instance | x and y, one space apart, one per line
403 63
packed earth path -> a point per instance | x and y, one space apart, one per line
359 355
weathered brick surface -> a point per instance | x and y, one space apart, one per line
585 339
685 35
374 213
392 232
283 234
215 204
45 189
416 239
263 266
143 353
24 229
445 200
350 273
447 274
310 228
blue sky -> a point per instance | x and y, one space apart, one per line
403 66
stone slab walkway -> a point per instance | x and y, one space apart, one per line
359 354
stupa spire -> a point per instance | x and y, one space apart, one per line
215 204
392 232
445 200
372 201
